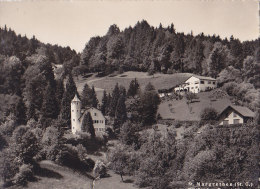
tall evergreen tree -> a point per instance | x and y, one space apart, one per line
50 106
20 112
87 125
71 88
93 97
104 104
59 92
114 99
150 101
120 114
133 88
85 96
65 108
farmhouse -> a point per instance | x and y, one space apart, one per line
235 115
196 84
77 115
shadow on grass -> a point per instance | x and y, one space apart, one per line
43 172
128 181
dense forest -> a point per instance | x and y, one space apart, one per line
145 48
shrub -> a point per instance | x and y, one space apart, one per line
100 169
25 174
209 114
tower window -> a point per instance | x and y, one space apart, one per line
72 110
73 119
95 114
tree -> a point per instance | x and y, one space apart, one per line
50 105
129 133
120 114
20 112
104 105
191 96
118 159
85 96
26 145
150 101
87 125
71 88
93 97
209 114
133 88
114 100
65 108
59 92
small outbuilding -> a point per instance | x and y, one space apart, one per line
235 115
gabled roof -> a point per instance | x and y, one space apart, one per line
89 109
203 77
244 111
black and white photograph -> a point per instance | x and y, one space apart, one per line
129 94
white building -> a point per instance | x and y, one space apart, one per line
196 84
77 115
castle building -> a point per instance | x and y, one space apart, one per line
77 115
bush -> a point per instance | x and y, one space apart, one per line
209 114
25 174
100 169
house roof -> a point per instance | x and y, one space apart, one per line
244 111
90 109
203 77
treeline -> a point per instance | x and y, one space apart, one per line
22 47
145 48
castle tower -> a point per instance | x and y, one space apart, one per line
75 114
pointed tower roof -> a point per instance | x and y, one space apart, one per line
76 99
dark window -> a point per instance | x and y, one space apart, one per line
234 114
72 110
202 82
214 82
236 121
209 82
73 119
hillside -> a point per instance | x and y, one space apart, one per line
160 81
61 177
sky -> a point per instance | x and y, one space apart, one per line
73 22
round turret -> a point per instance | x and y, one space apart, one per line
75 114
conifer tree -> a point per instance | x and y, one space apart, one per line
120 114
20 112
50 106
87 125
59 92
133 88
93 97
71 88
65 108
114 100
85 96
104 104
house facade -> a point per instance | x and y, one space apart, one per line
196 84
235 115
77 115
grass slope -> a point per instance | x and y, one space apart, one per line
54 176
160 81
179 110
